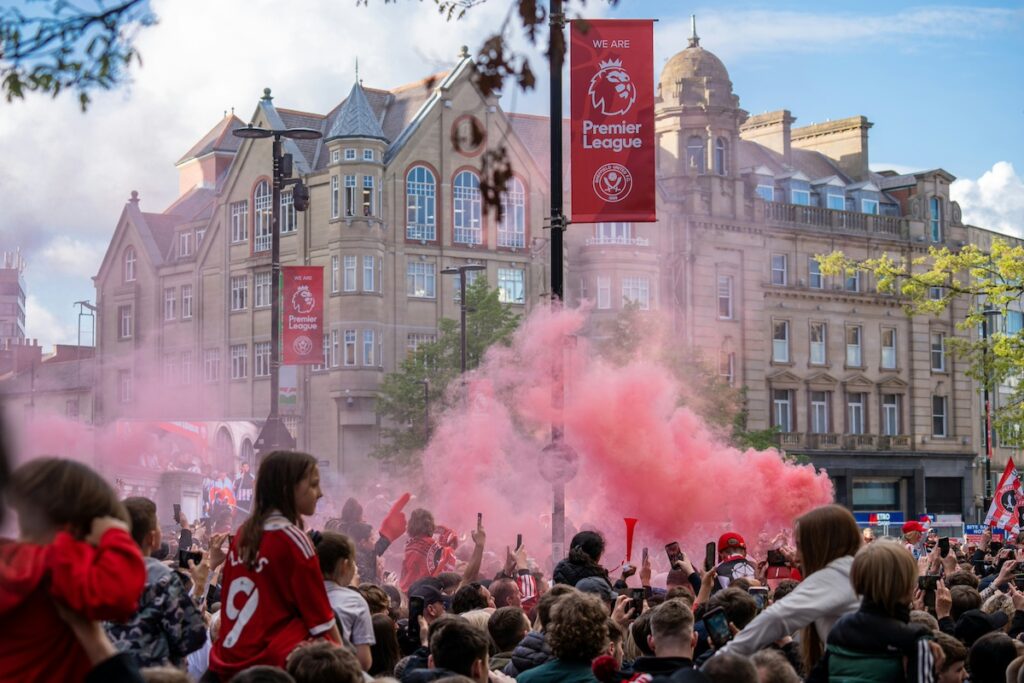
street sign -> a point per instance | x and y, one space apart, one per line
878 518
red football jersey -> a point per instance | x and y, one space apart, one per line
267 611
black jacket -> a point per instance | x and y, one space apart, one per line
571 573
425 675
532 651
871 632
661 666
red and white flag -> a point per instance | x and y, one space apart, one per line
1003 512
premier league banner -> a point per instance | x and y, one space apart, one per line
302 315
612 92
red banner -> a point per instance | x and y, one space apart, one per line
612 103
302 315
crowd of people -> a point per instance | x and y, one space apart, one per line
92 591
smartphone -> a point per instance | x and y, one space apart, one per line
646 555
995 546
519 541
944 546
760 595
184 556
177 513
674 552
717 626
638 595
928 582
776 558
479 519
415 612
710 555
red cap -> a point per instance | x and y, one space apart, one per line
914 526
731 540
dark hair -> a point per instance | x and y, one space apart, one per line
507 627
385 651
447 581
376 598
279 474
615 632
578 631
773 667
395 596
324 662
954 650
989 657
501 590
785 587
359 531
456 644
964 598
421 523
739 606
263 674
142 513
641 628
351 511
468 598
729 668
586 548
548 601
53 493
332 548
962 578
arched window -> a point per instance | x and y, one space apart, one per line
466 204
420 204
512 230
721 156
263 200
248 453
129 264
695 154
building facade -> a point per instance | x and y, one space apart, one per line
12 299
745 203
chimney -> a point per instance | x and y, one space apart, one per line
844 141
771 129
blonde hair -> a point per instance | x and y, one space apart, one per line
885 574
1000 602
478 618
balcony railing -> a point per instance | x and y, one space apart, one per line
846 442
618 241
832 220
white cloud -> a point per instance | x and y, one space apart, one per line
70 257
994 201
47 327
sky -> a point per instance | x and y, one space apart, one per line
940 81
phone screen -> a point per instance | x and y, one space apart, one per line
177 513
184 556
760 595
645 556
710 555
519 541
717 626
415 612
638 601
944 547
674 552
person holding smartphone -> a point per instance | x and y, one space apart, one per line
827 539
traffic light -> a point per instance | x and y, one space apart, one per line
300 196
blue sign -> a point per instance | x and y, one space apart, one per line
878 518
979 529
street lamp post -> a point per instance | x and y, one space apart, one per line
988 406
275 434
426 408
461 272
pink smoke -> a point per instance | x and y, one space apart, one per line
640 454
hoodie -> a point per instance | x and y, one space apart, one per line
100 582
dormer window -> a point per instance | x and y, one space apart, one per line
721 156
801 197
836 202
184 244
935 218
869 206
350 154
367 155
766 192
695 154
129 265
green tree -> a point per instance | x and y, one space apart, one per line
723 407
402 402
49 46
991 281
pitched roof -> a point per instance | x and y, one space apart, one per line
161 227
218 139
196 204
535 134
357 119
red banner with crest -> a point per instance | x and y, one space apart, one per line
302 315
611 69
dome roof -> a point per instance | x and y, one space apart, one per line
696 76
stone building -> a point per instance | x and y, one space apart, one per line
12 299
184 294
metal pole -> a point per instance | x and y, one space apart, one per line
556 47
988 416
275 284
462 314
426 409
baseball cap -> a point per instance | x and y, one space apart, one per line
974 623
596 586
914 525
730 540
427 591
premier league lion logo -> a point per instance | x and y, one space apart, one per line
611 90
303 300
